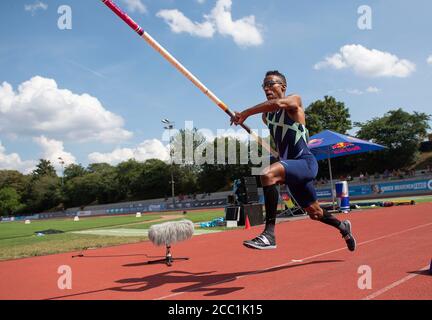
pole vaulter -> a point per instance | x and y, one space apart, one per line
164 53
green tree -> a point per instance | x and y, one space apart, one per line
9 201
44 194
74 170
399 131
14 179
184 145
327 114
82 190
44 168
108 186
129 175
187 179
155 180
220 176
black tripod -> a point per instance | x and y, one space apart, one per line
81 254
168 258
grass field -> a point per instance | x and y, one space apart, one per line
18 240
12 230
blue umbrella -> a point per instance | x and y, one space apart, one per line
328 144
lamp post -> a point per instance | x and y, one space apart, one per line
170 126
62 165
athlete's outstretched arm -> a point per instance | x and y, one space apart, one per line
290 103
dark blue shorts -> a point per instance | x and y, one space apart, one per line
299 177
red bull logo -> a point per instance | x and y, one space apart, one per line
342 145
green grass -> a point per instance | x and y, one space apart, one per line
18 240
57 243
425 199
19 229
194 216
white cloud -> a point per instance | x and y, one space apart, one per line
135 6
429 60
245 31
37 5
373 90
200 1
52 150
336 61
368 62
178 23
41 108
355 91
360 92
148 149
13 161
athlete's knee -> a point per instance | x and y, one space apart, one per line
270 177
315 212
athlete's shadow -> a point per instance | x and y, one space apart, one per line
201 282
198 282
121 256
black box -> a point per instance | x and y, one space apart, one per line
251 189
232 213
247 191
254 211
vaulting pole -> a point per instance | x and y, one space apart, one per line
164 53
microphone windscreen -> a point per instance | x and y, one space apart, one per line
171 232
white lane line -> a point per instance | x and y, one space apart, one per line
394 284
291 262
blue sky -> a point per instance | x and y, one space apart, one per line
98 91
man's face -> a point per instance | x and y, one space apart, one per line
274 87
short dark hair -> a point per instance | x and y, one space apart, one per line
276 73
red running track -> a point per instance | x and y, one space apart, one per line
310 262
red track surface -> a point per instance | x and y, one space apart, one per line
395 242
